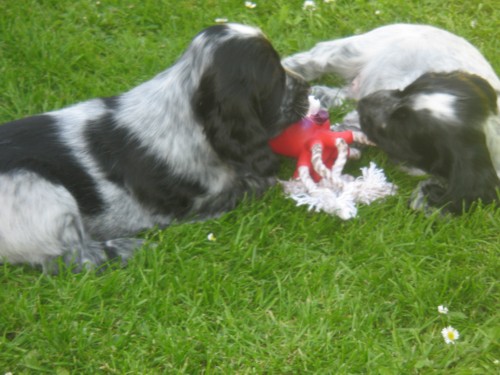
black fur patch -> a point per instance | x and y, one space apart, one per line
111 102
33 144
126 163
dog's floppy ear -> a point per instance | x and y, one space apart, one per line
449 140
238 103
471 175
233 125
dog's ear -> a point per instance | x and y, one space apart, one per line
231 118
488 96
471 175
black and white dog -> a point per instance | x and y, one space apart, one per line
426 97
76 184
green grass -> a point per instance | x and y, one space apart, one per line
281 290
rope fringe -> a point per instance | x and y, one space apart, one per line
336 193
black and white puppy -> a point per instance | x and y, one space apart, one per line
427 97
76 184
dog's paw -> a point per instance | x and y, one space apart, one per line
419 199
121 248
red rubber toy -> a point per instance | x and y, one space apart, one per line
297 141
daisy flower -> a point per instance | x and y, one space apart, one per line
220 20
450 335
309 5
211 237
250 5
442 309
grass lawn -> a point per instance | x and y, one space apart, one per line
281 290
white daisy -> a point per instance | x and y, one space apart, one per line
309 5
442 309
250 5
221 20
450 335
211 237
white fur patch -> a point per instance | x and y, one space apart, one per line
245 30
34 215
440 105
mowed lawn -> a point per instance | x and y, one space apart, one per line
281 290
